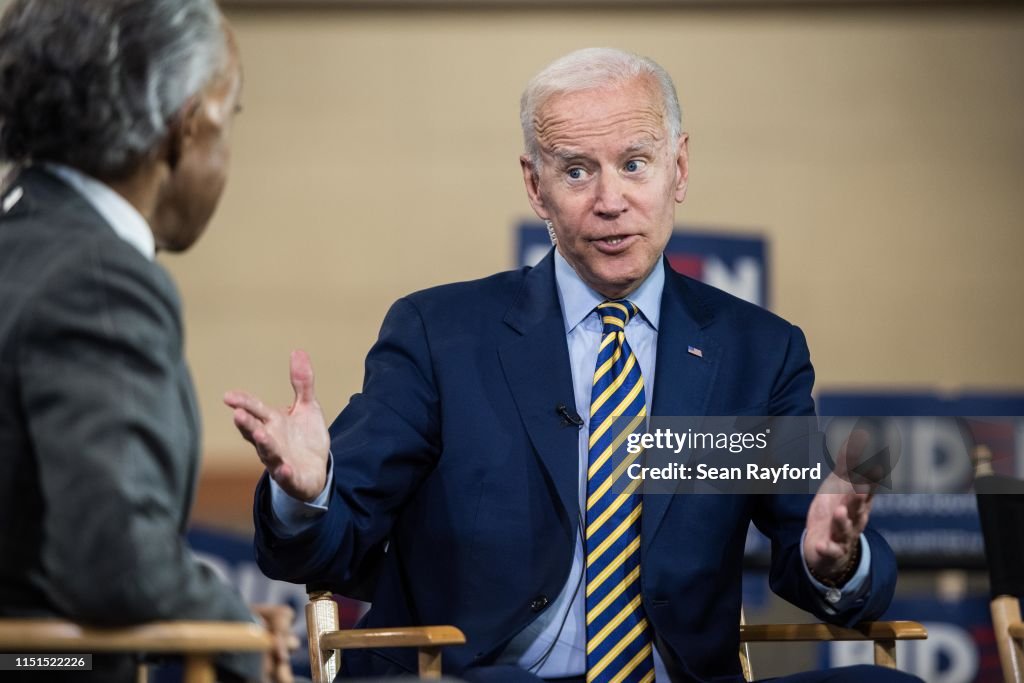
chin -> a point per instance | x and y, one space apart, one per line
180 241
615 287
186 231
620 279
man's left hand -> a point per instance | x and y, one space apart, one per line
838 514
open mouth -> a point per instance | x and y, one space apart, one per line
614 244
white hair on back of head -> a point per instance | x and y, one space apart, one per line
588 69
94 84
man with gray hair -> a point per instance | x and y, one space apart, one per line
470 482
115 114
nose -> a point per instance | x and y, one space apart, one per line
610 200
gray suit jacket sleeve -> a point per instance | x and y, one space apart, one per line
110 412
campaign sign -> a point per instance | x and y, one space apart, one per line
960 647
736 264
938 531
937 434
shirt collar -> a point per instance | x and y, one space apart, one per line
578 300
124 218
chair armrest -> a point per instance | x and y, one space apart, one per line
36 635
872 630
408 636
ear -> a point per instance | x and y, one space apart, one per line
180 131
682 168
531 179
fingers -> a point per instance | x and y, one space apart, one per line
246 424
254 431
830 550
855 445
278 620
841 529
283 670
249 403
859 509
302 377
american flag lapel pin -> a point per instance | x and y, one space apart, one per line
694 351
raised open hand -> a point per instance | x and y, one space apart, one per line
839 513
292 443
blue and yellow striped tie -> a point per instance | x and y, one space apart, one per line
618 635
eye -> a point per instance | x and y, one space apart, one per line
635 165
576 173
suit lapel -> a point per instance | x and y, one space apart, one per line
683 381
537 368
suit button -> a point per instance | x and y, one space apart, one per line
539 603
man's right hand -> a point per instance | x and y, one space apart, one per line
278 620
292 443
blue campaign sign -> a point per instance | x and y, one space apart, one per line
736 264
937 434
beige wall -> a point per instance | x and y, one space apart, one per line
881 151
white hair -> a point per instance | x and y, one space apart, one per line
94 83
588 69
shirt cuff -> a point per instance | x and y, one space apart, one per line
292 516
840 599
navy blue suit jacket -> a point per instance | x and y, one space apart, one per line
455 457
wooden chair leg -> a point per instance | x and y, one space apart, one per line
199 669
1005 611
885 653
142 673
322 616
745 665
1018 653
430 662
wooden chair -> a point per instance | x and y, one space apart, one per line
326 641
198 642
884 634
1001 511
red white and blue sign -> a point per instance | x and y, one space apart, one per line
737 264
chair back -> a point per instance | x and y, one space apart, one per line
1000 502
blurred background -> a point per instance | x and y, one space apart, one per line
855 166
877 150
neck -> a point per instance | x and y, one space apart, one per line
140 189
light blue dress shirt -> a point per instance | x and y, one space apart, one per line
554 644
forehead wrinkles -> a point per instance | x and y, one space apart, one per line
570 134
575 120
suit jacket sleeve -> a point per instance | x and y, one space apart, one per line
384 443
783 517
109 408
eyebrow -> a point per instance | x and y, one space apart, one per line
565 155
646 147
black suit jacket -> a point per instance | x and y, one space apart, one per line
99 434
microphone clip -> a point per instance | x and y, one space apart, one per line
569 417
